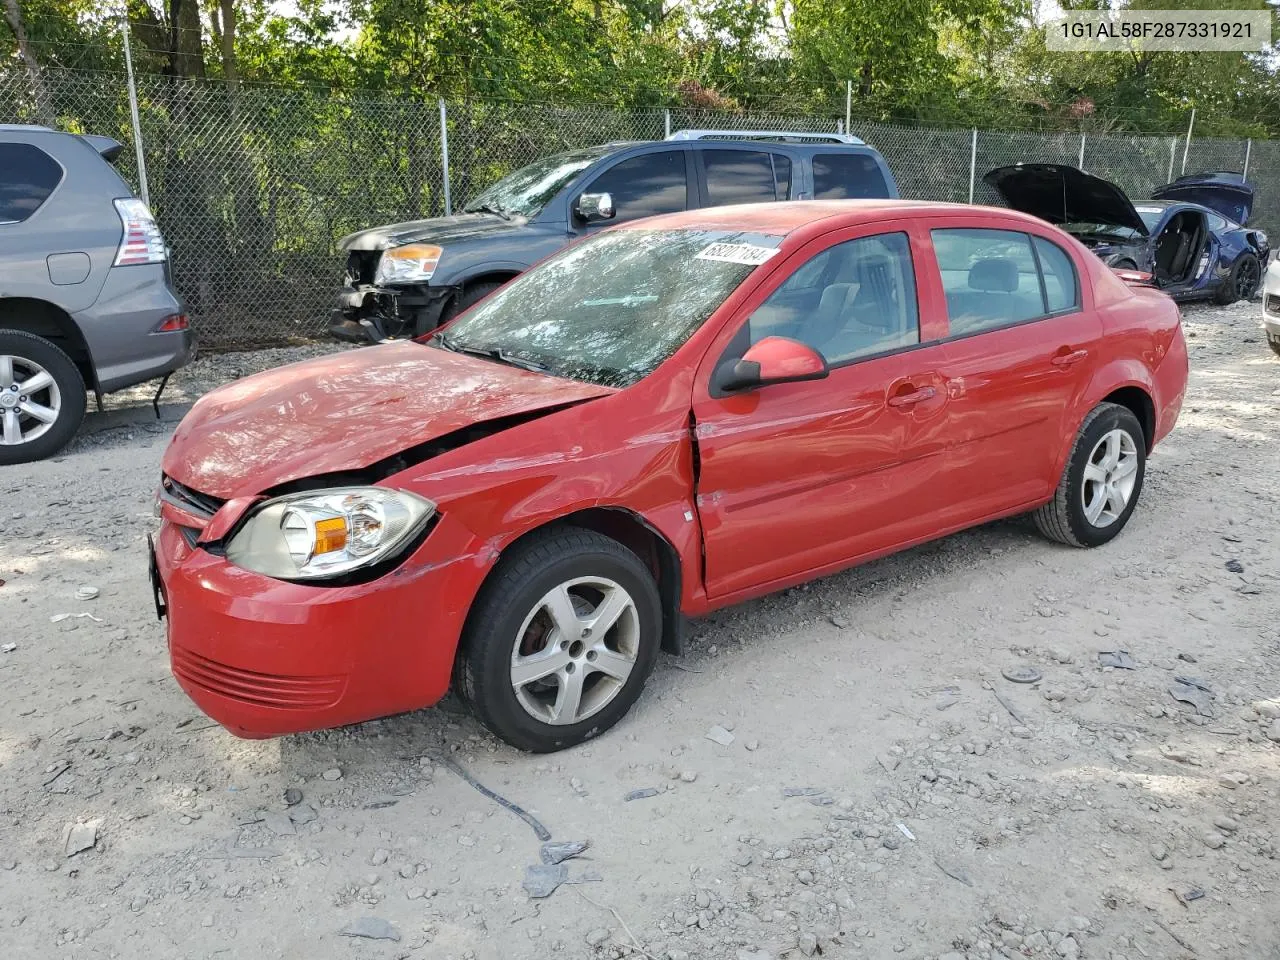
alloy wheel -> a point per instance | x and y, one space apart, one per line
30 400
1247 278
1110 476
575 650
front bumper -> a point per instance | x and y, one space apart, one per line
369 313
265 658
1271 302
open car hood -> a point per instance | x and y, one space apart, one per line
1226 193
1061 194
351 410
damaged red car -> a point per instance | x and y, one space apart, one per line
671 416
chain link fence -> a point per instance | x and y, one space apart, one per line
255 185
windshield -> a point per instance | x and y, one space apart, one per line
525 192
1103 230
609 310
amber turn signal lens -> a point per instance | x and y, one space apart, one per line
331 534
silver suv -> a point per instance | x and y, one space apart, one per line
86 301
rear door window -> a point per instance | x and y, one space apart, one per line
744 176
990 278
27 176
646 185
847 176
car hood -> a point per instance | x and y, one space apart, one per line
1061 194
1226 193
348 411
438 230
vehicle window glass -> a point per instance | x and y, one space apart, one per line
989 277
739 176
1061 288
845 176
782 173
27 176
1216 223
852 300
526 191
643 186
609 310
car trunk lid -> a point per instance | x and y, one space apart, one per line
1226 193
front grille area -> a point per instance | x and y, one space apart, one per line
361 266
192 501
1273 304
257 689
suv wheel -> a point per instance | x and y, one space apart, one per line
560 641
1102 481
42 398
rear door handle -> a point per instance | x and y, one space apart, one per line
913 397
1067 359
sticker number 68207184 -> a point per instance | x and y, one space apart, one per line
745 253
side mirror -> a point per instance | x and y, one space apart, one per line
772 360
594 207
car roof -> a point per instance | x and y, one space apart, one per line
788 216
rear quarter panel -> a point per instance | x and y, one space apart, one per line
78 217
1143 347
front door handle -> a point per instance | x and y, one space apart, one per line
1067 359
912 397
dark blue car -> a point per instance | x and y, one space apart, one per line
1191 236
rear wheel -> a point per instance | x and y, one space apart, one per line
560 641
1242 282
1275 347
1102 481
42 398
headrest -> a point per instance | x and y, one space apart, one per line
994 274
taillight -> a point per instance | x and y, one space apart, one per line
172 323
142 242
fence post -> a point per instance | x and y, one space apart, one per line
973 161
848 102
666 123
134 119
444 155
1187 147
1173 152
839 125
1248 149
1081 163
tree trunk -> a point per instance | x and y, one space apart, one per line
186 52
13 13
229 69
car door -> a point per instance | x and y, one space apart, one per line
642 185
800 477
1022 344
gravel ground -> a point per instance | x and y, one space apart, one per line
876 788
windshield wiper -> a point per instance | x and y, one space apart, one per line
490 353
489 208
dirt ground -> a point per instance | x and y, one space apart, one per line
886 793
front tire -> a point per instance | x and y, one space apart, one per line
469 297
1102 481
1242 280
560 641
42 398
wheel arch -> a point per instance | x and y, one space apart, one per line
44 319
1137 401
644 540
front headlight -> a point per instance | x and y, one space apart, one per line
413 263
325 533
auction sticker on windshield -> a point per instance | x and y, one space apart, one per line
744 253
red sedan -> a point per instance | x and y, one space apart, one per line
666 418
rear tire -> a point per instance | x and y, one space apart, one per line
531 669
1275 347
1242 281
1102 481
54 388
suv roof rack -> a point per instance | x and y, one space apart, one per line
784 135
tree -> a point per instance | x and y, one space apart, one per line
13 16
